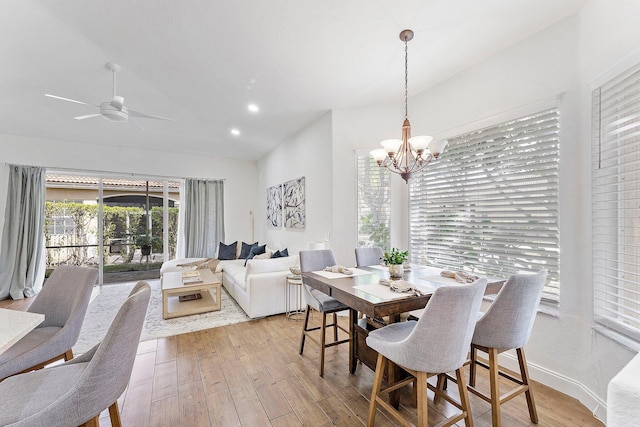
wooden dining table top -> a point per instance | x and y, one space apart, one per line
354 290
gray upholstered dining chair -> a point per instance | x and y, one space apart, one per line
77 391
314 261
507 325
435 344
63 300
368 256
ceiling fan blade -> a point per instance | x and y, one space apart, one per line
70 100
87 116
134 113
135 124
118 102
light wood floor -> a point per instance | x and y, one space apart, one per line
250 374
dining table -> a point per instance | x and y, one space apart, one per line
15 324
363 292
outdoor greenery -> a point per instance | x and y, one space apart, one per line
71 232
378 232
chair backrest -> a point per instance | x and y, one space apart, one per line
316 260
368 256
441 338
509 320
109 369
65 296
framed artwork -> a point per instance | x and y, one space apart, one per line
274 206
293 196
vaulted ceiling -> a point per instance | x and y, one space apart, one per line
201 62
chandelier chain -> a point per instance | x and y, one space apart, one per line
406 80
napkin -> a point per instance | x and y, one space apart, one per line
400 286
339 269
460 276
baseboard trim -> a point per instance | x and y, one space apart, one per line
561 383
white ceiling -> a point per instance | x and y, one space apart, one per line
200 62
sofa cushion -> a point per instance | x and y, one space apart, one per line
255 266
227 252
266 255
246 249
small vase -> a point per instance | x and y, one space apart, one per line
396 271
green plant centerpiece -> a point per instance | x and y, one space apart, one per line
395 260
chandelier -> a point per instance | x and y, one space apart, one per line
407 155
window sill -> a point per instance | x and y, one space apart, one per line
623 340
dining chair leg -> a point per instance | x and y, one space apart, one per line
493 386
93 422
114 415
335 327
304 328
68 355
421 386
472 366
323 339
465 403
377 383
524 373
440 385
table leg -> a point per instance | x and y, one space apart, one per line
353 319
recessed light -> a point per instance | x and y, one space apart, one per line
253 108
235 132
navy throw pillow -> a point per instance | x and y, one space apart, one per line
226 252
256 250
246 249
280 254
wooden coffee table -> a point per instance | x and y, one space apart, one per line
179 284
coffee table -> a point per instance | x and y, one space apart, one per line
181 284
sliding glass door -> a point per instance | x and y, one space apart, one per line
120 225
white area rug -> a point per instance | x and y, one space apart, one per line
104 307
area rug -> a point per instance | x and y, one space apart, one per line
104 307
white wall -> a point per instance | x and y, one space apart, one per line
307 154
559 63
240 176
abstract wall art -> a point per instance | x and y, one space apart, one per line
274 206
293 196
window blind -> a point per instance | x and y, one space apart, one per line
374 202
490 204
616 203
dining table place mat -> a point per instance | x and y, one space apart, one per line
381 291
440 280
331 275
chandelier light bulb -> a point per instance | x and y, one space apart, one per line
407 155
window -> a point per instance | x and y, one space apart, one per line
374 202
616 203
490 204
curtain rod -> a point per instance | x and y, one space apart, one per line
116 174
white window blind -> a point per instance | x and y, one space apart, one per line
374 202
490 204
616 203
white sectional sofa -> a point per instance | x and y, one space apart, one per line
260 288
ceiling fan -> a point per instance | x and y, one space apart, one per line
113 110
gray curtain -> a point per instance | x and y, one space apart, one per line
203 217
22 247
